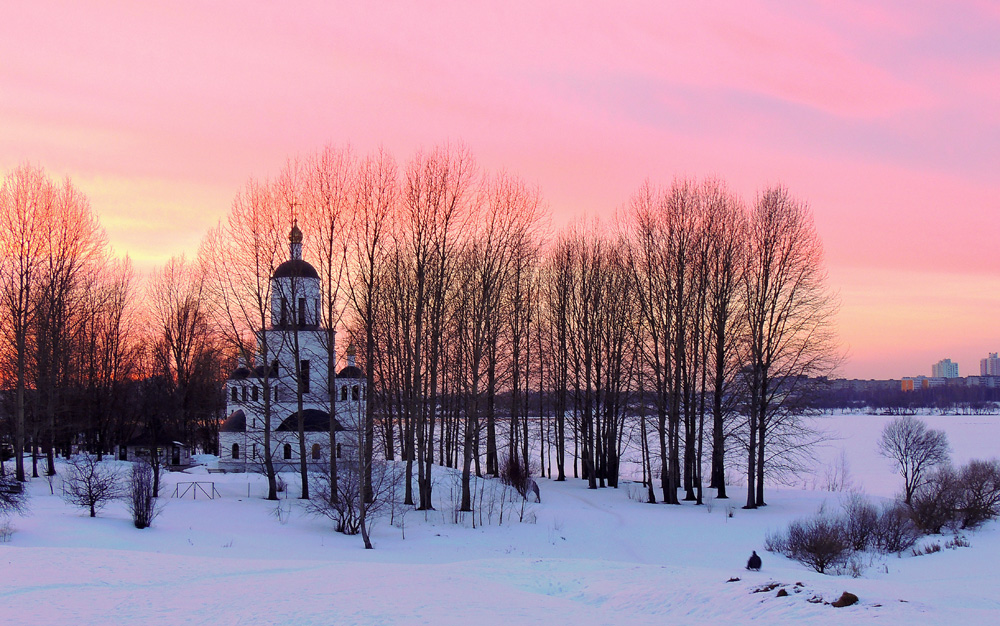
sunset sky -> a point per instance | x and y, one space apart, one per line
884 118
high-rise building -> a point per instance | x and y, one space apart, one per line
990 366
944 368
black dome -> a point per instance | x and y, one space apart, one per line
316 421
295 268
235 423
351 371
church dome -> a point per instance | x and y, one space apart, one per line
295 268
235 423
315 421
240 373
351 371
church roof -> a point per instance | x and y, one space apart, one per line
351 371
295 268
315 421
239 373
235 423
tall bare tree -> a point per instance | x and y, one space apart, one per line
240 257
789 333
27 201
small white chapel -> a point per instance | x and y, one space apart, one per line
296 329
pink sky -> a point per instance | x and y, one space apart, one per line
886 119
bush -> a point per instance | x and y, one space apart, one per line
141 500
895 530
935 503
344 508
860 522
513 473
90 483
13 497
820 542
979 499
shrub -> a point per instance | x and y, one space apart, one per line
90 483
895 530
820 542
860 522
935 503
140 497
13 497
344 508
514 473
979 497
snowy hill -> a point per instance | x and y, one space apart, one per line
582 557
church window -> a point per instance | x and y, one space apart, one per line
288 450
354 392
253 393
234 394
244 394
254 452
274 368
338 450
315 451
236 450
275 394
284 312
343 393
302 311
304 379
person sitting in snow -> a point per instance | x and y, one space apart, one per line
754 562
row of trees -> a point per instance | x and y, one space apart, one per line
690 330
84 361
696 322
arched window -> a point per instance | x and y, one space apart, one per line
254 452
315 451
244 394
338 450
253 393
234 394
343 393
236 451
354 392
288 450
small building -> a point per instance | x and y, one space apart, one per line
172 453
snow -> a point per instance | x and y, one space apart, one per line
584 557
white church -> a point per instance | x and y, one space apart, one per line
295 329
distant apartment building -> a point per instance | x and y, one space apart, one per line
990 366
944 368
914 383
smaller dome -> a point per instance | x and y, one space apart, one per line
235 423
295 268
316 421
296 235
351 371
240 373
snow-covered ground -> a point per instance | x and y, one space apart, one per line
585 557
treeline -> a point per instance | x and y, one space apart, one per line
689 329
889 399
83 362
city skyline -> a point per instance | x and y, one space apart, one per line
884 119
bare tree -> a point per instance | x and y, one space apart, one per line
91 484
915 449
27 198
141 494
330 202
789 334
239 259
